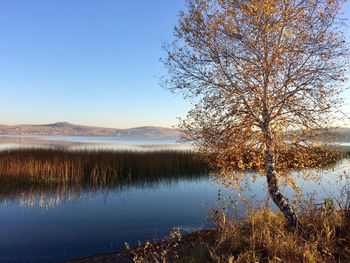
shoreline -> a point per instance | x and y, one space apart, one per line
185 245
321 236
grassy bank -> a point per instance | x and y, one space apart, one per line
261 237
103 167
322 235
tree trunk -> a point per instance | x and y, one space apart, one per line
272 184
281 202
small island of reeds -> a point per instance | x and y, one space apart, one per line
96 166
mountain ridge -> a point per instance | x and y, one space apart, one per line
66 128
69 129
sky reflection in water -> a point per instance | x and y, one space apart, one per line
51 224
91 143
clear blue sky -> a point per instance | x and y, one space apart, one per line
88 62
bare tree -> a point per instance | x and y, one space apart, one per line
266 75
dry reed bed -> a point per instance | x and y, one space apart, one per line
52 165
110 167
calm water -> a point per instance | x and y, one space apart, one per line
52 224
49 227
90 142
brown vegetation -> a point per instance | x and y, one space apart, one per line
21 166
103 167
265 75
315 157
262 237
322 236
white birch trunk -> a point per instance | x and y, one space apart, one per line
277 197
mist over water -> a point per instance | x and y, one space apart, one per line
91 143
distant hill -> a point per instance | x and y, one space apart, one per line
65 128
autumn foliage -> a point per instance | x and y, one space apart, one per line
264 77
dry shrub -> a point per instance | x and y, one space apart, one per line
164 251
321 236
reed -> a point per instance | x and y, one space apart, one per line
107 167
103 167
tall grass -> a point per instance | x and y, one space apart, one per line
105 167
33 173
49 176
261 237
322 236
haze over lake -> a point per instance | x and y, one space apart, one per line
91 142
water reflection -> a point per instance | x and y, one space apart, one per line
50 195
52 222
46 194
55 223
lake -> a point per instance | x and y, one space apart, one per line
56 223
91 143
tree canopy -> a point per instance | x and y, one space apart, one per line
266 77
